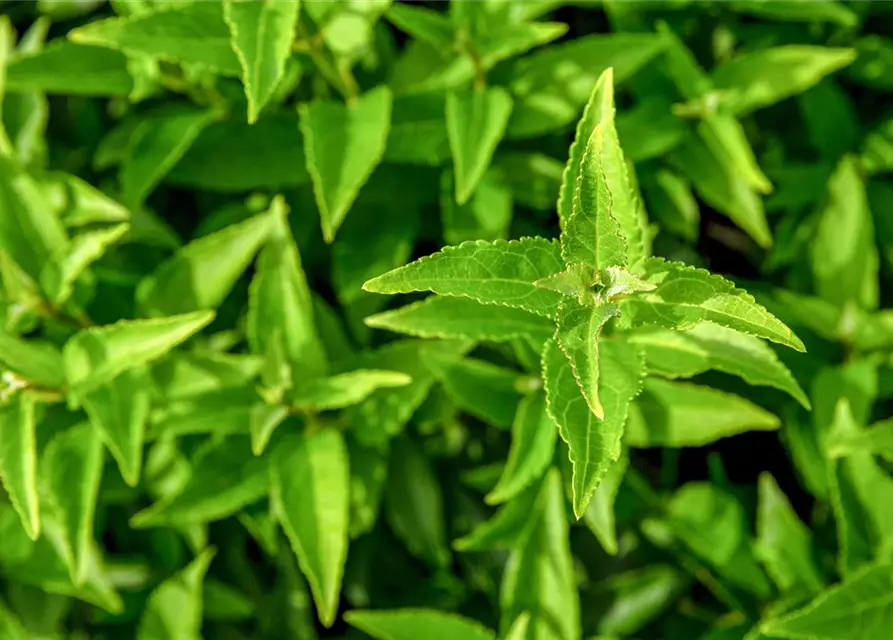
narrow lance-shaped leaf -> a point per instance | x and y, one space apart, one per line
497 272
72 467
533 443
118 410
310 496
160 620
279 300
686 295
410 624
58 275
18 459
599 515
201 274
507 527
343 144
35 361
448 317
98 354
684 354
594 444
262 34
476 119
345 389
70 68
578 331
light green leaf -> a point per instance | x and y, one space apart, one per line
72 468
497 272
763 77
423 24
98 354
650 129
185 374
673 205
508 40
310 497
599 515
118 410
844 255
448 317
202 273
638 597
155 146
533 178
221 412
192 33
533 443
174 608
34 361
784 544
711 523
476 119
681 414
687 295
414 504
856 609
343 144
345 389
511 522
279 299
87 205
368 476
18 459
10 626
71 69
418 128
876 440
411 624
262 35
539 576
484 390
594 444
212 492
518 630
486 216
264 420
795 11
727 141
578 331
57 277
550 86
597 207
684 354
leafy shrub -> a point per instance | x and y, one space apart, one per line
595 422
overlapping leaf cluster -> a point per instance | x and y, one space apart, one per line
211 425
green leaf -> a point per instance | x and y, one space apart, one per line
680 414
711 523
87 205
539 576
343 144
57 277
262 35
192 33
423 24
410 624
511 522
18 459
599 515
96 355
687 295
484 390
638 597
310 497
10 626
418 132
118 410
212 492
550 86
578 331
486 216
160 620
498 272
264 420
508 40
518 630
760 78
795 11
684 354
876 440
69 68
345 389
279 299
844 255
533 443
33 360
221 412
594 444
234 156
72 468
368 475
202 273
853 610
155 146
533 178
447 317
784 543
476 120
414 504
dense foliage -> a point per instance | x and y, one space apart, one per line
530 320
